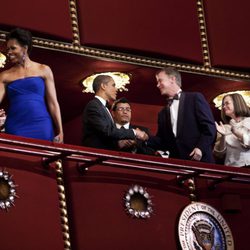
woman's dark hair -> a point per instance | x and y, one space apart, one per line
240 107
23 37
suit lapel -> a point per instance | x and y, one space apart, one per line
180 113
106 112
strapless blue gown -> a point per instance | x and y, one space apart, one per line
27 115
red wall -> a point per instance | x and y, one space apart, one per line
95 198
34 221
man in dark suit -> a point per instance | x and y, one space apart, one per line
122 112
186 126
99 130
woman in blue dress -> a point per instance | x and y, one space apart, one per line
33 110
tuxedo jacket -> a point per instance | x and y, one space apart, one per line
141 146
195 129
99 130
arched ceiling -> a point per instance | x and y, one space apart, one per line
206 40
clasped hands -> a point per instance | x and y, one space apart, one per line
141 135
129 143
126 143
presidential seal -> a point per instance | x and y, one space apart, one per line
202 227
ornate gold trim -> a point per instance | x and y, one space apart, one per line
74 22
138 60
203 34
7 190
192 189
63 207
76 48
138 202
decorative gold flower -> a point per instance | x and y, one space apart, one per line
7 190
2 60
121 80
138 202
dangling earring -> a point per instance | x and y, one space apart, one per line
24 57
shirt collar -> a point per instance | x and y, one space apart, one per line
101 100
126 126
179 92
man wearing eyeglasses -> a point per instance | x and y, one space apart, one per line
121 112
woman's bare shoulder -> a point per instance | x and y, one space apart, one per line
43 68
40 66
40 69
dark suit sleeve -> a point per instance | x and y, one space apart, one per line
97 118
156 142
142 147
206 123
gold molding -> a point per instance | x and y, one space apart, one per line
134 59
139 60
63 206
74 22
203 34
192 189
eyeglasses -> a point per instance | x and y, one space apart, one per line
123 109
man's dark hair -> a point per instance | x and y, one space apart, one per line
23 37
99 80
121 100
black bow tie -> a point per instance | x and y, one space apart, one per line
108 106
171 99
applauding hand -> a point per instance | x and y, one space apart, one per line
220 128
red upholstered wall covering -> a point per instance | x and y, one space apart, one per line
165 27
95 198
34 222
42 16
228 32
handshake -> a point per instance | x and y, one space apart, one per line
141 135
